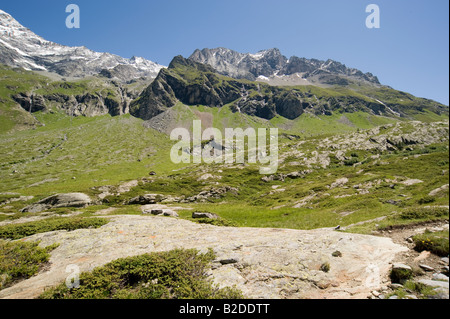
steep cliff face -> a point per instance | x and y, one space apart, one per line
84 101
193 83
186 81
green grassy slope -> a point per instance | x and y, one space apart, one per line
74 154
80 154
376 187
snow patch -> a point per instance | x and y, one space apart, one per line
257 56
13 48
389 109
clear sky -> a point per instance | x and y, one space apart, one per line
409 52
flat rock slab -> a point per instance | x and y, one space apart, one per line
267 263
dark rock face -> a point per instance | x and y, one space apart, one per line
30 102
194 83
86 104
145 199
197 84
154 100
298 65
291 106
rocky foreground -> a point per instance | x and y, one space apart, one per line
263 263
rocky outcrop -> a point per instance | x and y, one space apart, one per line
263 263
390 137
204 215
145 199
59 200
90 103
30 102
194 83
271 62
155 99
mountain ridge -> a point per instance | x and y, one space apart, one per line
264 85
272 67
20 47
194 83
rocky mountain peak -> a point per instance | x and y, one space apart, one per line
271 66
20 47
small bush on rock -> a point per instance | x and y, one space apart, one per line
174 274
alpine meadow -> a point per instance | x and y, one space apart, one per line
223 175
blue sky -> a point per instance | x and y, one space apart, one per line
410 51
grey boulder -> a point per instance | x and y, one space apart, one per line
162 212
145 199
204 215
59 200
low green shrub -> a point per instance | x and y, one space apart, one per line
176 274
426 200
352 161
435 242
400 275
21 260
424 213
17 231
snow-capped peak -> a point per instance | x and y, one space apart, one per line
20 47
271 63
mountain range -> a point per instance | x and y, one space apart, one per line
272 67
20 47
193 83
88 177
265 85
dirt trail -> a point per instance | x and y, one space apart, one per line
401 235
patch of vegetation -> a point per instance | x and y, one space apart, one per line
426 200
21 260
435 242
410 286
176 274
400 275
17 231
408 216
417 213
325 267
76 154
